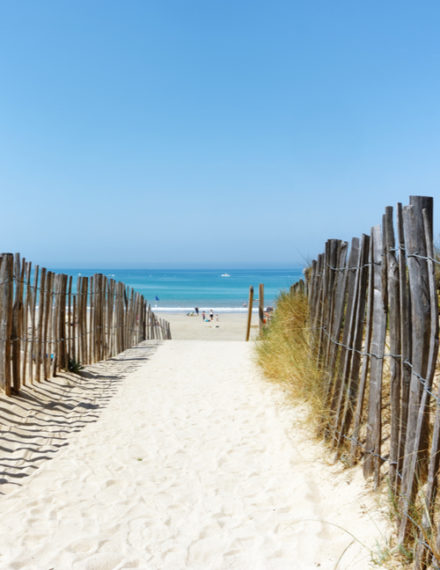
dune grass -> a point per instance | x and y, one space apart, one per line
285 357
284 354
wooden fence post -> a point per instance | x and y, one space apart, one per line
46 344
422 553
6 298
249 319
261 306
354 446
351 277
17 311
34 332
27 301
372 460
405 340
393 280
360 292
64 328
416 445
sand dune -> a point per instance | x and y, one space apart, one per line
194 463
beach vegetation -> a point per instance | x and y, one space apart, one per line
284 354
74 366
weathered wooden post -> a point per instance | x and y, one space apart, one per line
46 342
348 281
17 312
34 334
261 306
6 297
374 422
251 302
417 435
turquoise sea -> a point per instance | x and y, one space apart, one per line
223 290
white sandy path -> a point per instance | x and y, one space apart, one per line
190 466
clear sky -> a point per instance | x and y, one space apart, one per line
211 132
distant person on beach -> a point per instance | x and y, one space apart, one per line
217 321
211 315
197 311
203 315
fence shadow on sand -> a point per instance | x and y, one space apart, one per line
38 422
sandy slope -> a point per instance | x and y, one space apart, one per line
193 464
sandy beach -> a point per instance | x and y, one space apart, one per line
176 456
226 326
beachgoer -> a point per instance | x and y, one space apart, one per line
203 315
197 311
216 320
211 315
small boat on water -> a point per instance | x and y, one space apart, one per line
225 275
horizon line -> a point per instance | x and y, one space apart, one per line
179 268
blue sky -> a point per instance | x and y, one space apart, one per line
188 133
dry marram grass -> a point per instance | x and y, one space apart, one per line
285 355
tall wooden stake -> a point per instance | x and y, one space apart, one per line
261 306
251 302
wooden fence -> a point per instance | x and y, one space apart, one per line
374 334
45 328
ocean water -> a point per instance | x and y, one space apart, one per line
179 290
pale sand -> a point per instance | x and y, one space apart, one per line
194 463
230 326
